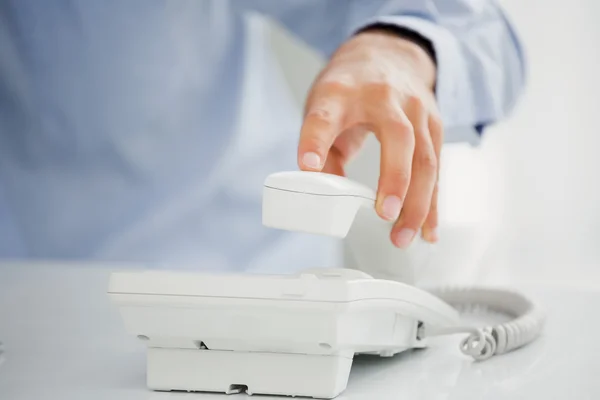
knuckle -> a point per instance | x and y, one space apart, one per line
415 102
406 133
317 142
397 179
320 115
380 90
426 161
341 86
401 127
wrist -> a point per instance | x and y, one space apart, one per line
412 50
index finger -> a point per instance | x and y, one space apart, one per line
323 122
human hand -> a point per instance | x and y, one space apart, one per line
378 82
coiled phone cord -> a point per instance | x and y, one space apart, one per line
483 343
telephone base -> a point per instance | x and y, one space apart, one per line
193 370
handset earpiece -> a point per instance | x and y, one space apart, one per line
313 202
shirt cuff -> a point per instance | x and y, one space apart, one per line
453 92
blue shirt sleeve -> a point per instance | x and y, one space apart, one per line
480 60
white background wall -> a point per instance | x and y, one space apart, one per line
524 205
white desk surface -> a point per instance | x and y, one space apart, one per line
63 340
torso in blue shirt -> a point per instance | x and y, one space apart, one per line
142 131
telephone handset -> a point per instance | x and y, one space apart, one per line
325 204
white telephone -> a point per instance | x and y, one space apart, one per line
296 335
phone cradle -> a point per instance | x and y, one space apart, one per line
296 335
260 334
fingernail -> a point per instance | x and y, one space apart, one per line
430 235
404 238
391 207
311 160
